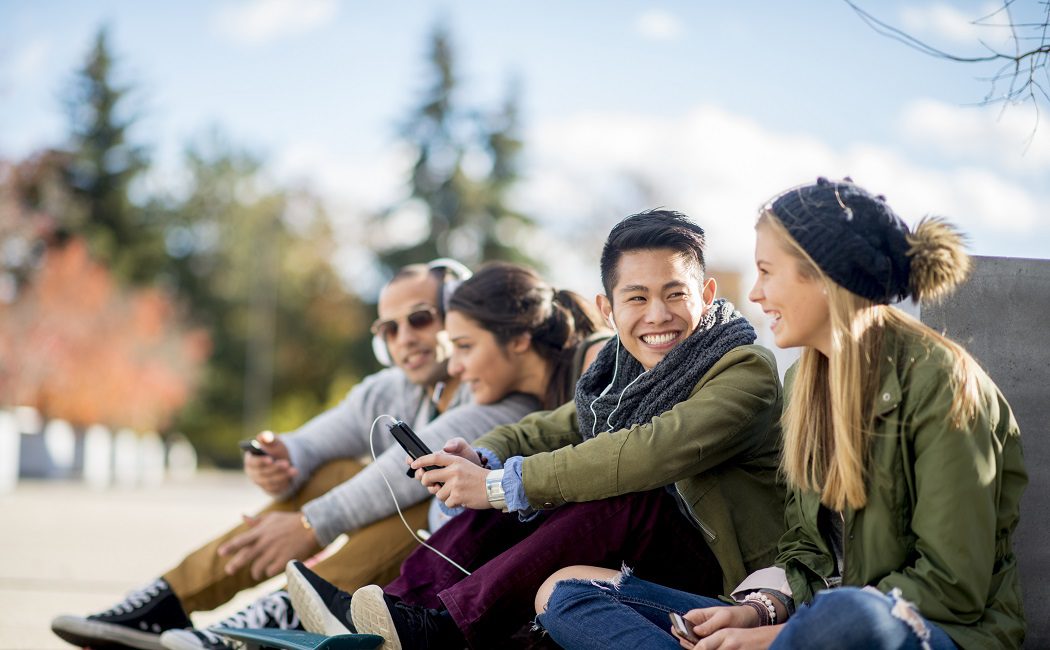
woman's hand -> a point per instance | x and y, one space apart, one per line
728 628
458 481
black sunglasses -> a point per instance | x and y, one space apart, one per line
419 319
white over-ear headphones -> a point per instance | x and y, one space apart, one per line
452 274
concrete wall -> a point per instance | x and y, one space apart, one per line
1002 316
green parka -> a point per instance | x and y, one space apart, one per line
942 504
720 448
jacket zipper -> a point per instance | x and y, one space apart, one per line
842 577
704 528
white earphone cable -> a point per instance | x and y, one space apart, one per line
371 447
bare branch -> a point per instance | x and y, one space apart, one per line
1022 71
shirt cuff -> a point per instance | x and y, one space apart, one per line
492 461
514 489
449 512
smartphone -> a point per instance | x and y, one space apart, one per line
411 443
683 628
253 447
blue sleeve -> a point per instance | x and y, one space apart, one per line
514 489
492 461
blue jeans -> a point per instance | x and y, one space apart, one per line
634 614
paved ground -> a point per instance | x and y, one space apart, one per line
65 548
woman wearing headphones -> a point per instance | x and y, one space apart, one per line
903 459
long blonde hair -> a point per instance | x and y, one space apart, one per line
828 422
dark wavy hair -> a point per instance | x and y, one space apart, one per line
509 300
649 230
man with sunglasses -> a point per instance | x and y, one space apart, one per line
320 491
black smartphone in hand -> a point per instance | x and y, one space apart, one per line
683 628
411 443
253 447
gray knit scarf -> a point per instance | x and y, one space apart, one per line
669 382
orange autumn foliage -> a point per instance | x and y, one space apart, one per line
78 346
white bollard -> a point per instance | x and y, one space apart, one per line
182 458
61 443
151 459
126 458
98 457
29 420
10 450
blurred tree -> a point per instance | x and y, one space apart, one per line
32 192
254 262
77 346
103 164
466 163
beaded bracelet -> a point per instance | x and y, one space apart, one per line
760 609
764 600
787 601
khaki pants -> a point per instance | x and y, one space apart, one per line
372 555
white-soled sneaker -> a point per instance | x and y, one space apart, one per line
322 607
274 611
135 622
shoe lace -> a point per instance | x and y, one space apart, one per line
135 599
422 623
274 610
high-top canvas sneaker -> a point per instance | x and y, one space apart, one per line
274 610
135 622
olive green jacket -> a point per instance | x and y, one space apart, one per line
720 448
942 504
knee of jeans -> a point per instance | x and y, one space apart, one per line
568 578
865 612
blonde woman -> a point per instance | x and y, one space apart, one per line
903 459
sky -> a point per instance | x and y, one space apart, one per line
712 108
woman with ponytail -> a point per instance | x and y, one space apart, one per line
511 332
902 457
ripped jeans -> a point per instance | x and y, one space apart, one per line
634 614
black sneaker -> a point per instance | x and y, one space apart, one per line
136 622
322 607
273 611
404 626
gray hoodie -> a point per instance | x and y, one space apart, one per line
343 432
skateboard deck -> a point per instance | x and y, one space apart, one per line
299 640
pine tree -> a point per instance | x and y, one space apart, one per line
103 165
468 216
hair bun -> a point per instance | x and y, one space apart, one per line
939 262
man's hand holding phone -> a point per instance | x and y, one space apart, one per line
271 470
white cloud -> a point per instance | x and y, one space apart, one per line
586 171
944 23
658 25
255 22
719 168
1011 136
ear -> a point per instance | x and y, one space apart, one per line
605 307
520 344
710 288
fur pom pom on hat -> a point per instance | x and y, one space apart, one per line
863 246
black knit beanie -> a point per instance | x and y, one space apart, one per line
853 236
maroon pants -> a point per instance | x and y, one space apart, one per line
509 559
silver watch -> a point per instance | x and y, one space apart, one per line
494 490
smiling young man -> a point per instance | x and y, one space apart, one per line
666 460
319 490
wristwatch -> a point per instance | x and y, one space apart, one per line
306 523
494 490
